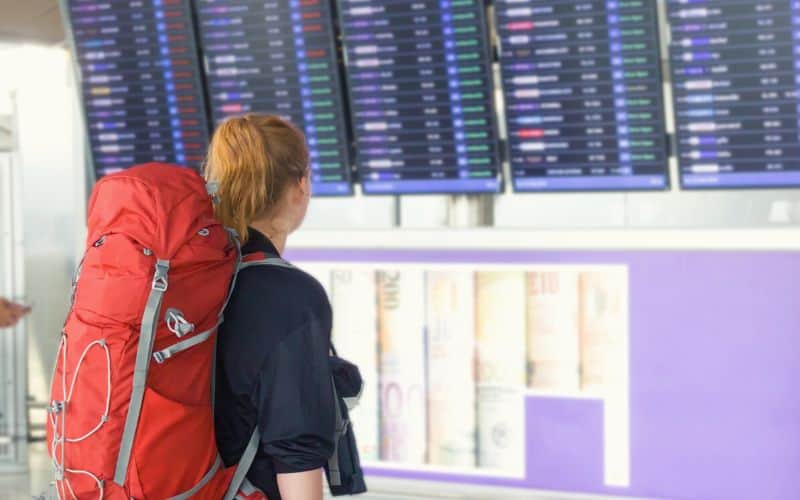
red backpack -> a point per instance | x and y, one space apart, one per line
132 393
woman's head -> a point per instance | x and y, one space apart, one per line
260 165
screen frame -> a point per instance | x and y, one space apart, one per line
499 154
90 166
676 149
336 85
662 119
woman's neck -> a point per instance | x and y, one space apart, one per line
276 235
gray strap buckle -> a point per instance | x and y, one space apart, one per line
160 282
177 322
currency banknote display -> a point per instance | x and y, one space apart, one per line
353 297
403 401
553 337
449 355
451 368
500 332
602 322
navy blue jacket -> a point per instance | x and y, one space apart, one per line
273 371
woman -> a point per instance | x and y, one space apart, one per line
273 368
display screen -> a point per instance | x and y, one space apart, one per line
279 57
583 93
140 82
419 80
736 74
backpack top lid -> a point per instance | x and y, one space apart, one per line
159 205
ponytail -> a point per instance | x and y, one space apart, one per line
253 159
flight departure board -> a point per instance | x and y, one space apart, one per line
140 82
583 93
419 79
736 76
279 57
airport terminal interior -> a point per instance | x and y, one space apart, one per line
560 238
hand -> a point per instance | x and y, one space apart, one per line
11 312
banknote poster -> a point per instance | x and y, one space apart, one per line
500 330
451 368
603 313
355 333
401 326
450 354
501 432
604 363
553 330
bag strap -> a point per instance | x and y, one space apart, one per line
144 350
335 476
261 259
234 237
187 495
166 353
249 455
244 465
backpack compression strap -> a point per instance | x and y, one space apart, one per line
147 336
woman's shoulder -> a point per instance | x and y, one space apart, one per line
271 302
285 290
283 278
312 283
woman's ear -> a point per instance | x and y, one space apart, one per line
305 185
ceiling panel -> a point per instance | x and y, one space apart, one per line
36 21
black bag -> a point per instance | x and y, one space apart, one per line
343 470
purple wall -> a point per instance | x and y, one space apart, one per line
715 360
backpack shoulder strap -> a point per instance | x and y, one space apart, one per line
243 467
262 259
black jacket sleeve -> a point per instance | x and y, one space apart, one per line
295 401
